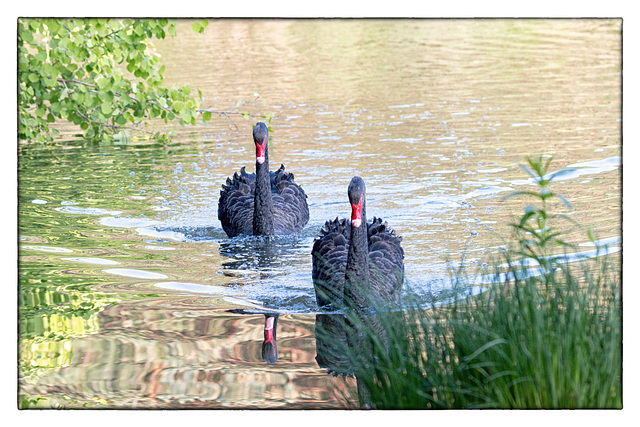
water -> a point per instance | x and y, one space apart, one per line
127 279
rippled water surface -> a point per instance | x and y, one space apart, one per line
127 279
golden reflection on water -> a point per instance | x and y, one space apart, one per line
197 358
401 101
435 115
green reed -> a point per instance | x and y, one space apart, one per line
547 336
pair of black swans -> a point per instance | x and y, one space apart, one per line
354 262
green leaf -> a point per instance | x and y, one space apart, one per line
206 116
102 83
178 107
106 108
568 218
561 172
89 50
536 165
25 35
50 83
546 194
197 27
527 170
41 56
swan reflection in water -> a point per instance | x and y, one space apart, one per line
270 341
346 345
270 344
350 345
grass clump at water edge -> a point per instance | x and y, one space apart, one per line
543 335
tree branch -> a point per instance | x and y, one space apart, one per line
220 113
78 82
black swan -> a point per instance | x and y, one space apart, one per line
264 203
354 262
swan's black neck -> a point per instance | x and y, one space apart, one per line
262 202
356 285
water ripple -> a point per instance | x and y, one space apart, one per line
137 274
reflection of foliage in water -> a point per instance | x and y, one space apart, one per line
52 313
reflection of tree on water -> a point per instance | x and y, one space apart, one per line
52 313
348 344
178 352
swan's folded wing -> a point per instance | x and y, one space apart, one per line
386 257
235 206
329 258
290 208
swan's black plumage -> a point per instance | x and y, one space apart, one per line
265 202
353 265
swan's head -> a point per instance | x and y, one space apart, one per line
260 137
356 198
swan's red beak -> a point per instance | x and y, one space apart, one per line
268 330
261 151
356 213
